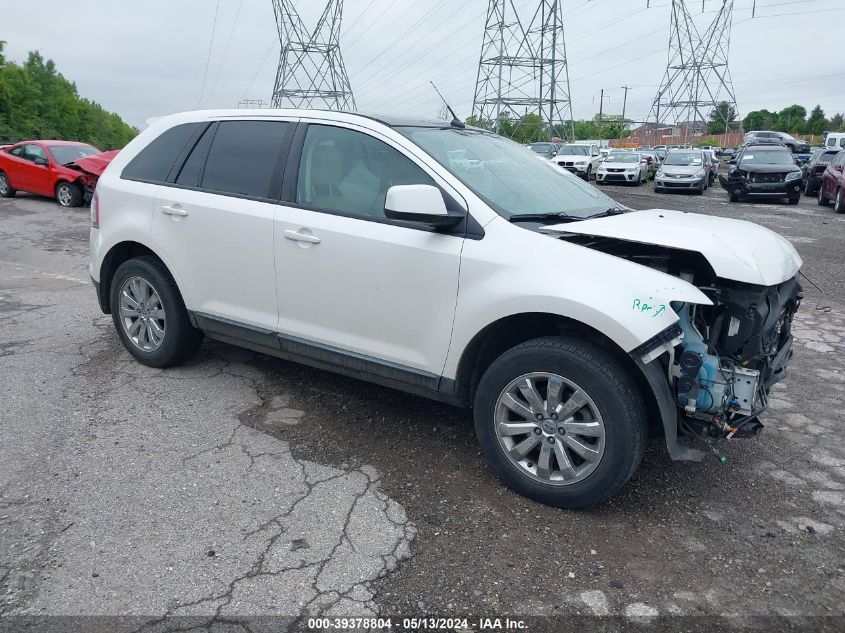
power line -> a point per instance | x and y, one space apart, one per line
210 47
226 50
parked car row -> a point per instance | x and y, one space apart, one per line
65 170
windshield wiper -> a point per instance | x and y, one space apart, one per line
609 212
540 217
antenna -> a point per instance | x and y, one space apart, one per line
456 122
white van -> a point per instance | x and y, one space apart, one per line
835 139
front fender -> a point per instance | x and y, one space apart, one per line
627 302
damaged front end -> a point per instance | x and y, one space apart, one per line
712 371
90 169
732 353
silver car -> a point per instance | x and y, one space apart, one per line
623 166
683 170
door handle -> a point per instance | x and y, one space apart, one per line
173 210
296 236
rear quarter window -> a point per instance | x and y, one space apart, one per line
155 162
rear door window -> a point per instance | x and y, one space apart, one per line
245 158
191 172
155 162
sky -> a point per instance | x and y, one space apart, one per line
147 59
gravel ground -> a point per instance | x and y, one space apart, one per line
241 485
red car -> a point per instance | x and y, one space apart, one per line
833 183
63 169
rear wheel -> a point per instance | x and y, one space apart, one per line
560 421
6 190
823 199
808 188
68 194
149 314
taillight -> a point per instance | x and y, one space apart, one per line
95 211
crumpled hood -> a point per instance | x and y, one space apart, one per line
96 163
737 250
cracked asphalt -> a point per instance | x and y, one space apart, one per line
240 485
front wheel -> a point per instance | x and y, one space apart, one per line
589 173
6 190
839 202
149 314
68 194
560 421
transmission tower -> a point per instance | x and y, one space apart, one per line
522 69
311 73
697 77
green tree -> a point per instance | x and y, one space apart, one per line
836 123
36 101
816 122
721 118
792 119
759 120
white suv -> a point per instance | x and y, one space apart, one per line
448 262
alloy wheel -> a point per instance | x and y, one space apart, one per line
142 314
64 195
549 428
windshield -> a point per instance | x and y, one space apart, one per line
767 157
507 176
64 154
682 158
575 150
622 157
542 148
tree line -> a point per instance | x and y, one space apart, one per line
37 102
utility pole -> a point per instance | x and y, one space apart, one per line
601 111
624 103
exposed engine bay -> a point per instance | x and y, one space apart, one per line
731 353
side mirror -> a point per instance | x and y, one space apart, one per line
419 203
838 167
41 161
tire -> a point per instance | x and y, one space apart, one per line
6 190
823 199
589 173
658 190
734 197
612 402
794 199
179 340
808 189
839 201
68 194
